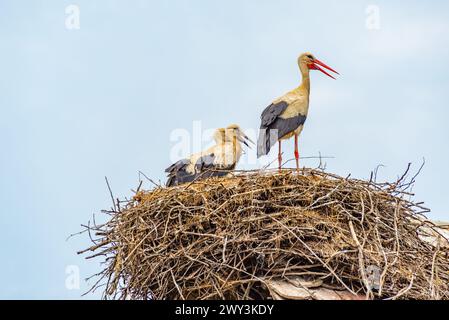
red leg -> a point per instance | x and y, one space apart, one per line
280 156
296 152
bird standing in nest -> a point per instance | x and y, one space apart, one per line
285 116
217 161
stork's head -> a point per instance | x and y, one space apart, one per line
233 131
307 61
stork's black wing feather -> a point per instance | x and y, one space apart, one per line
204 168
283 126
205 162
271 112
178 174
208 168
273 127
177 165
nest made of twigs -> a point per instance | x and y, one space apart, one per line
225 238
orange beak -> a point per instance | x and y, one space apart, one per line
315 66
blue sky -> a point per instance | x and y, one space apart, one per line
78 105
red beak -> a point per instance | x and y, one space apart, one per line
315 66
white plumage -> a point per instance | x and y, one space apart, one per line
285 116
216 161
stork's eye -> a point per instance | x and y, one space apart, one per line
310 56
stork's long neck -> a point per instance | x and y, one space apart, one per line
237 149
305 83
230 151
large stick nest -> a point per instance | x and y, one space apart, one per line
227 238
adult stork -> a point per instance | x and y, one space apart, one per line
285 116
217 161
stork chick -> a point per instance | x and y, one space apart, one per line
285 116
217 161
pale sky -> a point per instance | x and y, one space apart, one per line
78 105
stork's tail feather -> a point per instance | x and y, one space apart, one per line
263 142
176 172
171 181
177 166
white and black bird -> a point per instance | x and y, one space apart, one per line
216 161
285 116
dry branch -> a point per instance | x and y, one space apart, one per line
225 238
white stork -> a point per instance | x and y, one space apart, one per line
285 116
217 161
